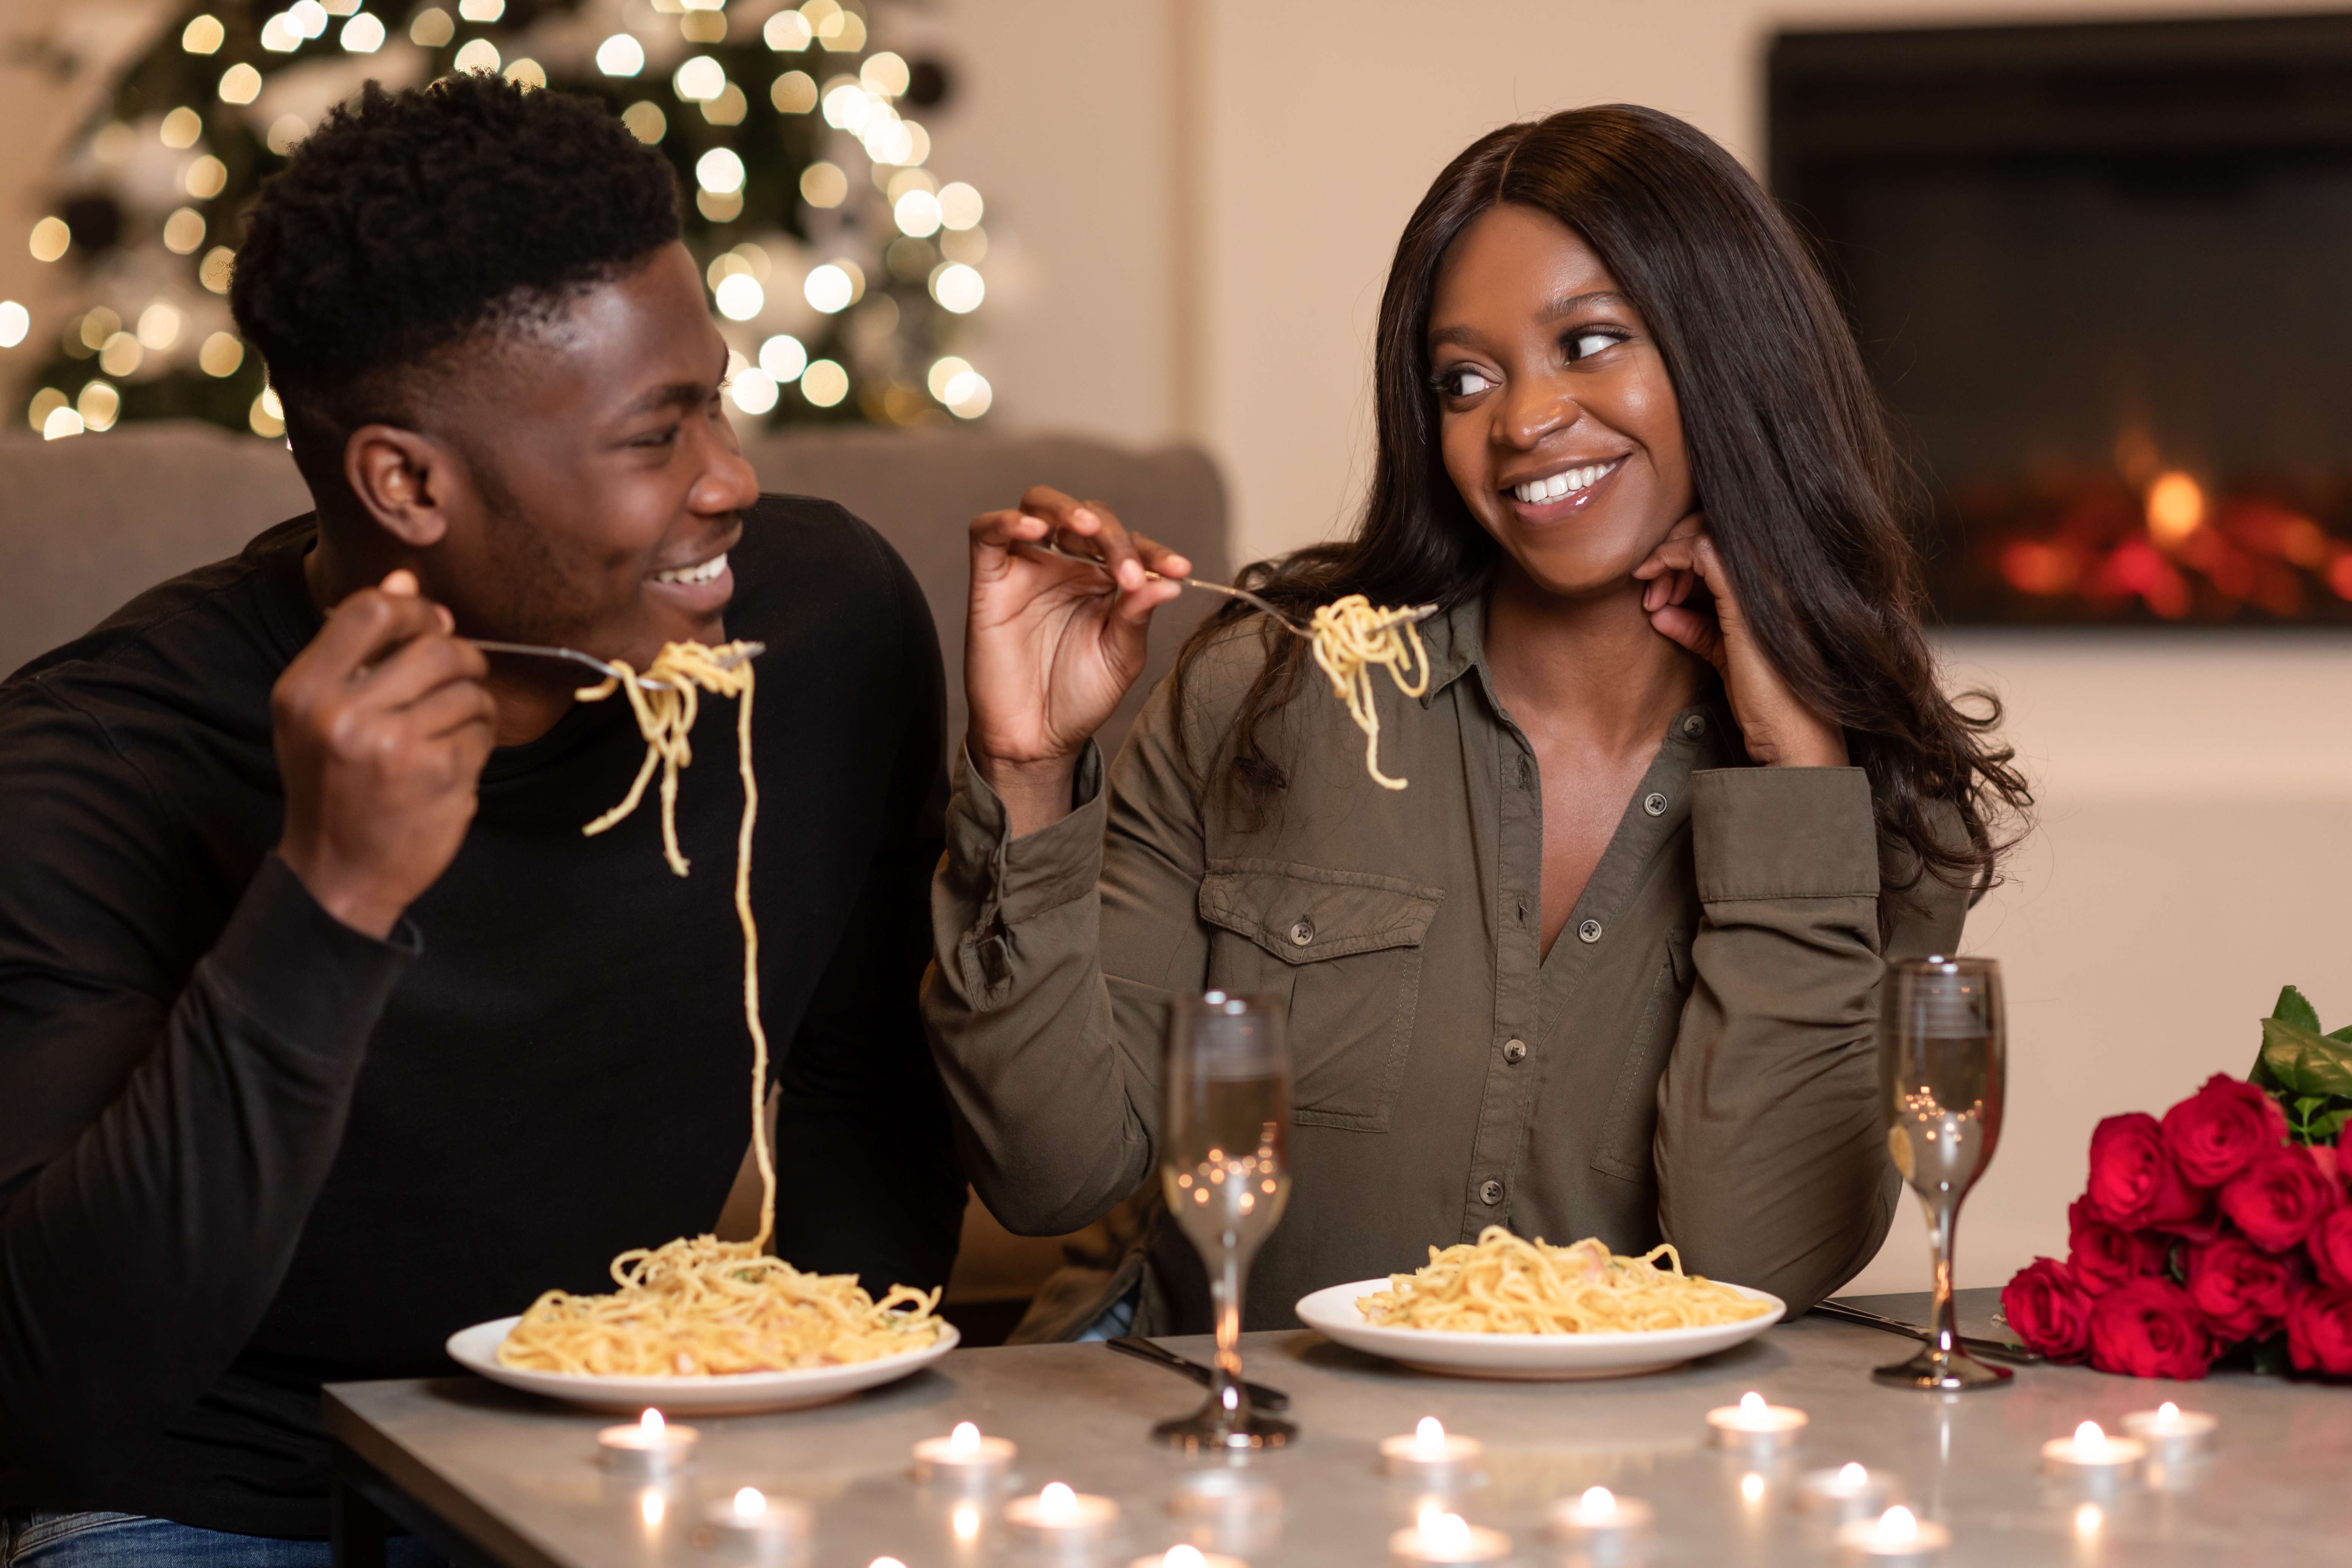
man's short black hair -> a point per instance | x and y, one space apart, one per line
409 221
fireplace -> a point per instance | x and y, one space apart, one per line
2102 277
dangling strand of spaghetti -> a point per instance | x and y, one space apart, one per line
1350 636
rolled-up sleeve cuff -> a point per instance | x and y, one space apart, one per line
1019 879
1783 833
304 976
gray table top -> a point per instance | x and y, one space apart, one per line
517 1474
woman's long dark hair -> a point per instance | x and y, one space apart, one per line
1789 457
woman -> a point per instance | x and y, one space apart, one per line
1681 780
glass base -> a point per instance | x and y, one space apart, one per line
1214 1430
1933 1368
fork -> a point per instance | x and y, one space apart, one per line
1244 594
727 660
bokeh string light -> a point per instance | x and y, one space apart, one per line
796 131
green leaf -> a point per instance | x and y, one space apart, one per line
2344 1034
2305 1062
2293 1008
2270 1357
2325 1129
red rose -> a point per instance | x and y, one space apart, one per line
2213 1132
2047 1307
2330 1245
2102 1255
2279 1196
2241 1293
2134 1182
2149 1327
2319 1331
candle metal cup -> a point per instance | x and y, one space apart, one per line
1042 1525
2099 1466
2175 1439
1616 1533
972 1465
1868 1543
1841 1498
1446 1462
774 1537
1454 1543
1178 1557
633 1453
1756 1430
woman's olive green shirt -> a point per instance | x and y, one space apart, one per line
1692 1062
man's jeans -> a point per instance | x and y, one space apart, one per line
34 1540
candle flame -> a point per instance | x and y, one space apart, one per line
650 1505
750 1503
1751 1486
886 1562
1853 1476
1058 1503
2088 1519
1429 1436
1444 1531
1183 1556
2089 1435
964 1441
2167 1414
1751 1405
965 1522
1898 1525
651 1425
1598 1503
1427 1518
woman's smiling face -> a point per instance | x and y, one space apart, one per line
1556 417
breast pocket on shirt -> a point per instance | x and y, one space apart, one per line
1343 949
1632 1120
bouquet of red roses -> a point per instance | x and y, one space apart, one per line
2222 1230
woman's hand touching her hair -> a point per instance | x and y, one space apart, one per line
1780 728
1050 646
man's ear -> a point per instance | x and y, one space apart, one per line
404 480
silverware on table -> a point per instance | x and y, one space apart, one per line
1992 1350
1262 1396
728 658
1244 594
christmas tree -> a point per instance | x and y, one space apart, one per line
840 267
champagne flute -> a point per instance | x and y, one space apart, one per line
1224 1166
1942 1070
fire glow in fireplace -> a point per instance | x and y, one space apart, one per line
2103 276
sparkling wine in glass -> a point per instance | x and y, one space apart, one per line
1942 1068
1224 1167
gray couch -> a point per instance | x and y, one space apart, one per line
87 522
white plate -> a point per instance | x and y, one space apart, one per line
732 1394
1334 1312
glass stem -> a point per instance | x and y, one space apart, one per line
1942 1214
1226 1392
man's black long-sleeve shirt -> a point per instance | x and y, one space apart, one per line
245 1150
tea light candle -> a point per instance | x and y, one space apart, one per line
1847 1494
1895 1539
1604 1524
1754 1426
649 1450
1182 1555
2091 1456
2172 1433
1433 1457
964 1458
766 1530
1059 1520
1441 1537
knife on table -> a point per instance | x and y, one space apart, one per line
1260 1396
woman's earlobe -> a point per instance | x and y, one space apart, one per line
398 477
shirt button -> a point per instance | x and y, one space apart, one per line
1490 1192
1694 726
1514 1051
1589 932
1302 933
1656 805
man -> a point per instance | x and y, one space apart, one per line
323 1030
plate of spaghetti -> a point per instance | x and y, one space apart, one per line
698 1325
1507 1307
